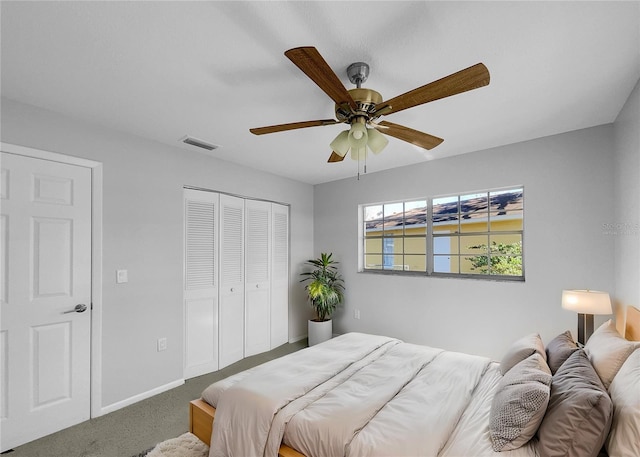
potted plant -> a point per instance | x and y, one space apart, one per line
325 290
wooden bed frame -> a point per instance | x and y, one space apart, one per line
201 414
628 323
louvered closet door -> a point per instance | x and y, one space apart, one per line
257 273
231 293
279 275
200 282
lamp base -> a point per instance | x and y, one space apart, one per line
585 327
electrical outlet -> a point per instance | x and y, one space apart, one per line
356 314
162 344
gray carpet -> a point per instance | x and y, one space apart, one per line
137 428
142 454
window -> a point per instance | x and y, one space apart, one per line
477 234
395 236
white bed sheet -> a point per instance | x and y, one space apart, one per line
471 435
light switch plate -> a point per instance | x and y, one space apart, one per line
122 276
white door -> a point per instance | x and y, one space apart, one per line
45 271
257 330
231 291
200 282
279 275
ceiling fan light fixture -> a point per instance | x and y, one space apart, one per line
377 141
358 136
341 143
359 153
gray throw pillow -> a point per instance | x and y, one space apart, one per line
522 349
579 413
559 349
519 404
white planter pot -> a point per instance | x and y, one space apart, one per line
320 331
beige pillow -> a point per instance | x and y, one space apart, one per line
522 349
607 351
624 438
519 404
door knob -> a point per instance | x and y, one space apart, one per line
81 308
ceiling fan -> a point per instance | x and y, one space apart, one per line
361 108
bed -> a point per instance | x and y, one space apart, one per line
361 395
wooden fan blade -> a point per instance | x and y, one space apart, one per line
312 64
423 140
292 126
335 157
456 83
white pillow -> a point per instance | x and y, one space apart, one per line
624 438
607 351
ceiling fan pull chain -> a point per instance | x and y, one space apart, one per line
365 160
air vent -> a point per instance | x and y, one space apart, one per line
199 143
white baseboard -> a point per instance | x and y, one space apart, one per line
143 396
298 338
295 339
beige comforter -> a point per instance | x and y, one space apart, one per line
358 395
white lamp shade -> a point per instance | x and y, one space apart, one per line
340 144
377 141
359 154
358 135
586 301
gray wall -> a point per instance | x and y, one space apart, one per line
626 228
568 182
143 217
575 184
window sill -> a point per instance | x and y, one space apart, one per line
421 274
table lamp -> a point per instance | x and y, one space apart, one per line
586 303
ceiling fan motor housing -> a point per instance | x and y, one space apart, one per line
366 101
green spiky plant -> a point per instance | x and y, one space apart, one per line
325 288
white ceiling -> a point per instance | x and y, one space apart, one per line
162 70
